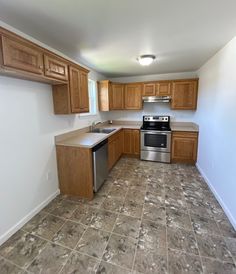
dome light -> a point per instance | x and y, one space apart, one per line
146 60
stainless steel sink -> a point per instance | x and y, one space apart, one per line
102 130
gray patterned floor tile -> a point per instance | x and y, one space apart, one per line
50 260
69 234
93 242
120 251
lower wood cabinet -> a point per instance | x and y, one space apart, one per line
184 147
132 142
75 171
115 148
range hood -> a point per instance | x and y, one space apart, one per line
156 99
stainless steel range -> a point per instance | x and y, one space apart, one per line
156 138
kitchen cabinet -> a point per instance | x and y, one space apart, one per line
21 55
72 97
133 96
149 89
184 147
131 142
117 97
104 90
55 67
75 179
115 148
163 88
184 95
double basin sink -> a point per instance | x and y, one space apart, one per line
102 130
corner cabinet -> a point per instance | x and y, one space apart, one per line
133 96
72 97
184 94
184 147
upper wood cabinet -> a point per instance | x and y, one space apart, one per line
72 97
20 55
104 90
184 147
163 88
84 96
133 96
55 67
78 90
149 89
117 96
184 94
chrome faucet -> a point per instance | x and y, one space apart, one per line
94 123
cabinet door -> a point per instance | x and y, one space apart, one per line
117 96
84 96
111 153
103 95
184 95
184 147
163 89
149 89
133 96
128 141
22 55
55 67
78 91
136 142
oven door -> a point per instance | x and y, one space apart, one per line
156 140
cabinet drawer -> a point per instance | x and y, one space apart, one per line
55 67
22 55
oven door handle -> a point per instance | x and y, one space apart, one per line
156 132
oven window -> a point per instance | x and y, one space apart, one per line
155 140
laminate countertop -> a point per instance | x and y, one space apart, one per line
89 139
86 139
184 126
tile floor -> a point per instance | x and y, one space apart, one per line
147 218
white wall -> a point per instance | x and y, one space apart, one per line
216 116
28 175
154 108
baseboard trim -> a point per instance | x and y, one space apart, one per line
218 198
24 220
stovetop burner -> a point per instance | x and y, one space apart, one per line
156 123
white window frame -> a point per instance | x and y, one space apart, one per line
93 100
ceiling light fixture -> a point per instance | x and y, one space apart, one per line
146 60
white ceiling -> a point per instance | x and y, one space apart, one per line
109 35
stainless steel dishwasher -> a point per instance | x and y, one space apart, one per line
100 164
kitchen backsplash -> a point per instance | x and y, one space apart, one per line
153 108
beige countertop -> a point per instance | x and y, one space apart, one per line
184 126
89 140
84 138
